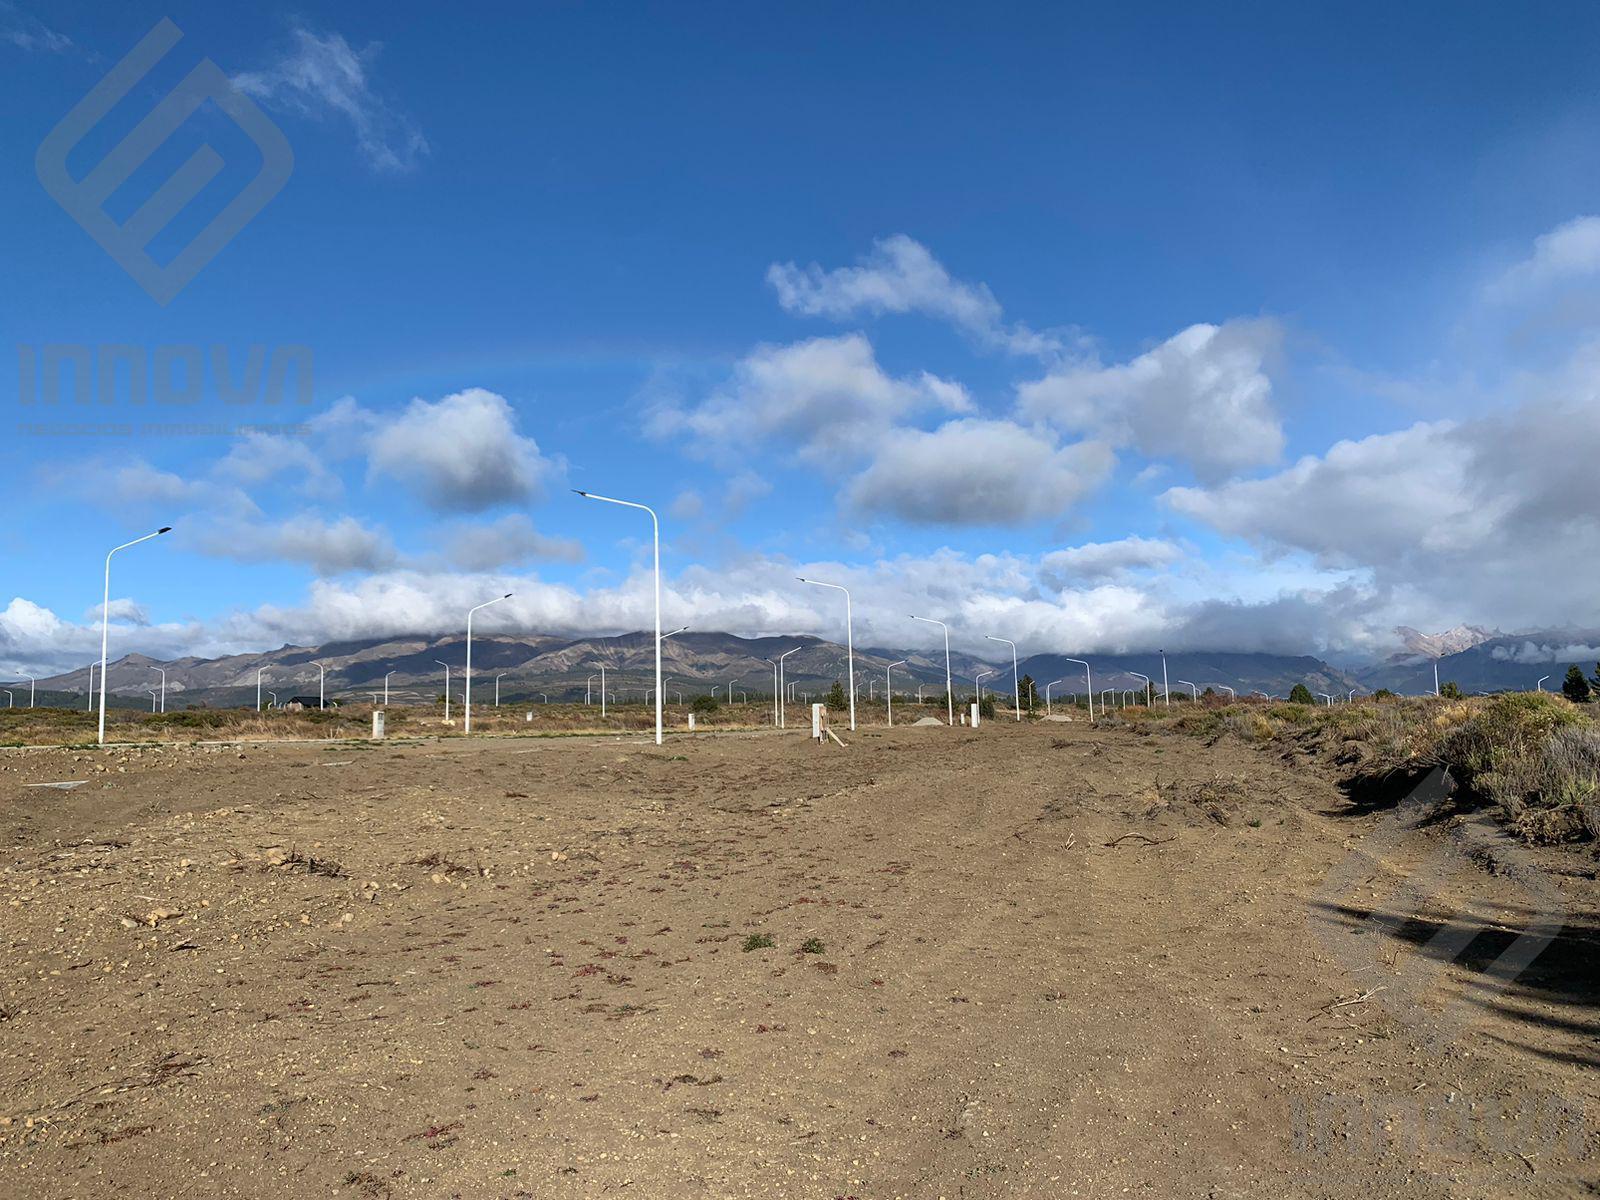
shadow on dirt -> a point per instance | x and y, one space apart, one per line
1565 971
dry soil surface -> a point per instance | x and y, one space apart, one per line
1043 960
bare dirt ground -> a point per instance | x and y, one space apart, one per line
1043 961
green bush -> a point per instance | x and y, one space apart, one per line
1301 694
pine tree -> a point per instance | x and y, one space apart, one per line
1575 687
1301 694
836 701
1027 689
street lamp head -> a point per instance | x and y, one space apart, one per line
580 491
164 529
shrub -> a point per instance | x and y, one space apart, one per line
704 705
1300 694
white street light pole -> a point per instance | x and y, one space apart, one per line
163 671
1194 691
259 671
774 663
90 705
1326 697
1016 684
1149 697
386 689
888 690
1166 690
152 699
655 526
497 680
1435 677
446 667
849 641
783 705
1539 687
949 683
11 701
1088 679
1104 692
31 684
588 690
105 621
322 687
1048 711
274 697
466 701
977 690
1232 695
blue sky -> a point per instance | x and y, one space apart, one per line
1267 327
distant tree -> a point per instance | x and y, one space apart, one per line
1575 687
836 701
1383 694
986 707
1209 694
704 705
1301 694
1594 680
1028 690
1450 691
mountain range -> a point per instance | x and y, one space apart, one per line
565 669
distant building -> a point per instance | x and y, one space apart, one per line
300 703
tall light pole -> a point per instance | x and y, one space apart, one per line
90 705
105 621
1104 692
1232 695
1048 711
1016 684
466 701
849 642
602 689
274 697
1193 691
655 527
497 680
783 703
259 672
1539 687
1435 677
1149 697
1088 678
588 690
1326 697
446 667
949 683
1351 698
1166 689
152 699
31 683
11 701
977 680
322 687
774 663
163 671
888 690
386 688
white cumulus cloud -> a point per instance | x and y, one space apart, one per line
1203 396
978 472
